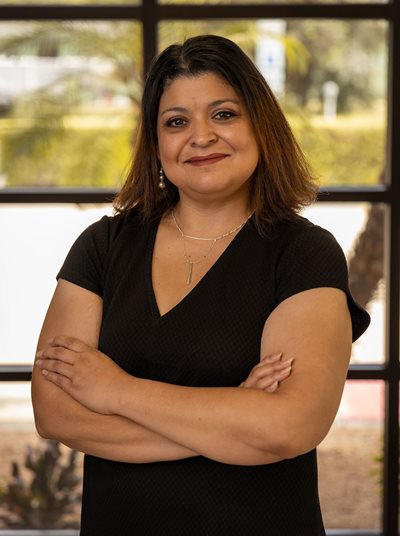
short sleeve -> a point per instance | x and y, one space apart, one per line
311 259
84 264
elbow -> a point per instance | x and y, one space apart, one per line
41 420
49 425
49 417
42 432
289 448
295 432
306 444
293 449
294 441
44 428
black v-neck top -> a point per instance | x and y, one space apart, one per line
211 338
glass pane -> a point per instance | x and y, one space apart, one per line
19 441
32 254
46 232
255 2
330 77
350 460
69 93
72 2
359 229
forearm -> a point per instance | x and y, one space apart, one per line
112 437
247 426
224 424
122 440
231 425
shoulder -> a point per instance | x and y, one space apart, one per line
88 256
297 240
111 226
309 257
101 234
302 230
301 240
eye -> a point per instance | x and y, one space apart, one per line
175 122
224 114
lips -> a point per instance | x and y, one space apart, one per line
206 160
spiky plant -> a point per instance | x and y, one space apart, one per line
43 495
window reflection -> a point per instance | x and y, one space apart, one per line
69 94
359 229
254 2
330 77
42 235
40 239
26 458
72 2
350 460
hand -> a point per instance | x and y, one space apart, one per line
85 373
269 373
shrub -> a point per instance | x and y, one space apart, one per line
42 499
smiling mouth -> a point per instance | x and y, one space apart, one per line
206 160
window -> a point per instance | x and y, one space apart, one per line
70 81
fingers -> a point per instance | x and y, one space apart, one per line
56 353
272 371
270 358
52 367
58 379
70 343
271 383
268 373
57 358
63 348
273 387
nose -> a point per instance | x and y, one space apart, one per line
202 134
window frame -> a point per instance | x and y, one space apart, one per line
150 14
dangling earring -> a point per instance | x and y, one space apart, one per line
162 184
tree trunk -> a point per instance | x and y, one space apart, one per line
366 267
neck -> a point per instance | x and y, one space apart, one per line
212 220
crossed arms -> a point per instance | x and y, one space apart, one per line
83 399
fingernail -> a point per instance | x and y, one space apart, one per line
39 362
284 371
287 361
44 372
39 353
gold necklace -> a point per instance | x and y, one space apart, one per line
191 262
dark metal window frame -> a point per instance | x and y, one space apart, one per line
150 14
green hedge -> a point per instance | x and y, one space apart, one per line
100 157
344 156
92 157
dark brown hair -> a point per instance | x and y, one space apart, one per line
282 182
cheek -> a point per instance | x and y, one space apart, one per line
163 153
250 147
167 148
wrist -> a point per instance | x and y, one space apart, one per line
123 401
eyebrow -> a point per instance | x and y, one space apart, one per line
211 105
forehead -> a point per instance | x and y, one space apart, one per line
195 90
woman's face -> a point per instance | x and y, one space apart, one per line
206 143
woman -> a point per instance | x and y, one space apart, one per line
204 282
